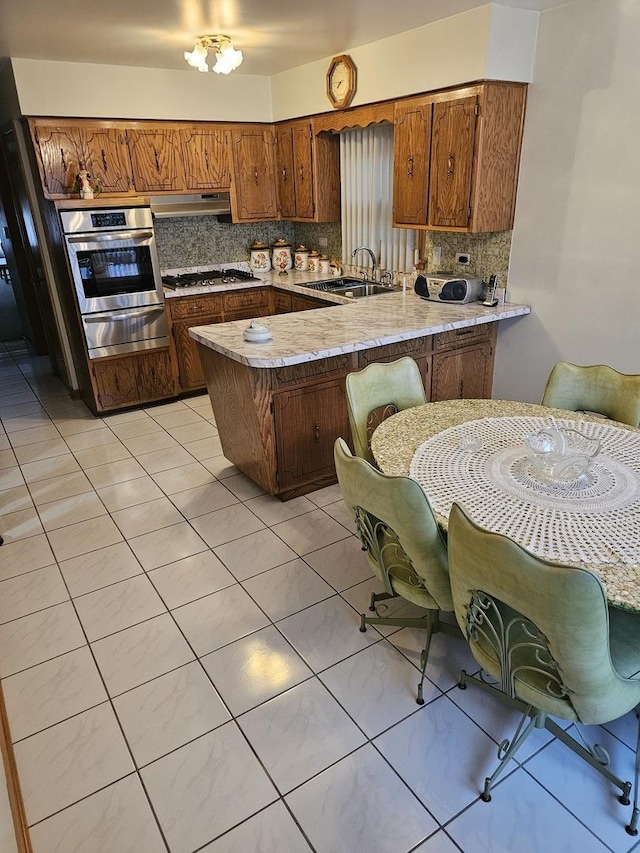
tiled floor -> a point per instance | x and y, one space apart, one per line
183 670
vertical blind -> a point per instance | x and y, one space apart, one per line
366 180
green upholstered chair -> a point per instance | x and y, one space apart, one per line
545 633
404 545
375 393
597 388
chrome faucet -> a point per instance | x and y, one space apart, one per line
371 255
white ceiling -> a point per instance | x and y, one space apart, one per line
275 35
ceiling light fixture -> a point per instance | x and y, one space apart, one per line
227 57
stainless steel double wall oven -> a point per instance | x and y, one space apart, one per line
116 275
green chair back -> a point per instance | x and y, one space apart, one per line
407 519
390 387
541 629
597 388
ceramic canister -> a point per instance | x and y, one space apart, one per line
301 258
324 264
281 256
314 261
260 260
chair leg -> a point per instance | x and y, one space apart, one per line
508 748
432 622
632 826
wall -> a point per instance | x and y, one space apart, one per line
455 50
574 240
449 52
110 91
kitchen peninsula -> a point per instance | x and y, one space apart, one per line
279 405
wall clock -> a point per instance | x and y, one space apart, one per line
341 81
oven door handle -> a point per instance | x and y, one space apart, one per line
103 238
131 315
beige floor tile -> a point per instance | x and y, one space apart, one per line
206 787
179 417
272 510
39 637
58 488
287 589
7 459
185 706
184 477
141 519
157 441
45 469
310 531
226 524
41 450
78 424
27 420
11 477
166 545
134 831
118 606
203 499
205 449
114 472
342 564
129 493
165 408
133 429
15 499
100 568
71 510
92 439
71 760
193 432
20 525
32 436
254 553
102 455
30 592
241 486
125 417
83 537
220 467
52 691
141 653
190 578
162 460
25 555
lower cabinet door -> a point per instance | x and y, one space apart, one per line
464 374
190 372
156 379
115 382
307 423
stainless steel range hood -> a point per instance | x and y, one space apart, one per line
205 204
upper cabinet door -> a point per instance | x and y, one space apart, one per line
156 159
60 151
411 163
285 174
303 161
206 161
108 159
452 148
253 193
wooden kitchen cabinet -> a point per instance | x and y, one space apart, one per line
307 422
156 159
205 158
463 363
253 191
456 158
129 380
281 301
307 173
62 150
300 302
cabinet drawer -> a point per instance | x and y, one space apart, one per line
462 337
246 299
413 348
195 306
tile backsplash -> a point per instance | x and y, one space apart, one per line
193 241
201 240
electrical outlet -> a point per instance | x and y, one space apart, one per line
323 242
463 258
436 255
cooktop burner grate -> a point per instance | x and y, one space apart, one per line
196 279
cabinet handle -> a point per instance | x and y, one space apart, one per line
206 159
317 433
409 167
450 165
104 159
462 389
284 173
155 157
302 173
255 175
64 162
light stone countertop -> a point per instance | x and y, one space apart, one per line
343 328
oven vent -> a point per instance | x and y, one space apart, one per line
206 204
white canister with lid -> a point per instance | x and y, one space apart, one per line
260 260
314 261
324 264
281 256
301 258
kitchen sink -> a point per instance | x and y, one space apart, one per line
352 287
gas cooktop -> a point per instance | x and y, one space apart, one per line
200 279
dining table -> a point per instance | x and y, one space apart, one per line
473 452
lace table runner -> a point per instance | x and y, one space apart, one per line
594 522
